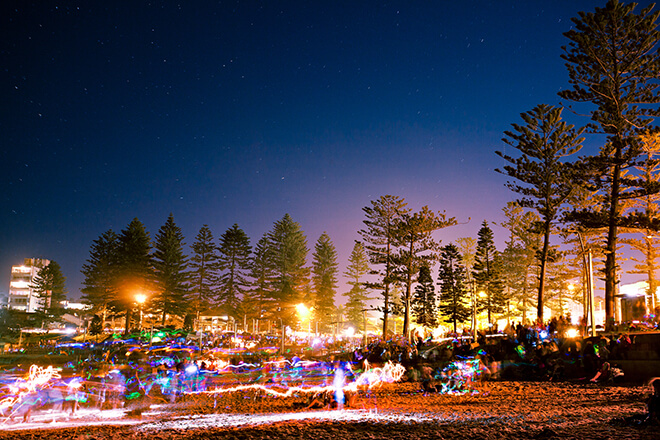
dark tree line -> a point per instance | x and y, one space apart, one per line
402 250
226 276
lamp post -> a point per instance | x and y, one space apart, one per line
304 313
571 288
652 283
140 298
483 295
588 271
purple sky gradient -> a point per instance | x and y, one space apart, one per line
240 112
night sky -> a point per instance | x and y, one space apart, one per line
240 112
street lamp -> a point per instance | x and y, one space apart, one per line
303 310
304 313
140 298
570 287
483 295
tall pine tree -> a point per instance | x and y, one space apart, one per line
289 257
203 272
520 265
646 241
100 283
424 302
324 280
234 265
454 305
544 142
358 267
171 272
50 286
379 240
613 63
417 247
260 299
487 275
135 274
467 247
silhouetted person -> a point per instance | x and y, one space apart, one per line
653 403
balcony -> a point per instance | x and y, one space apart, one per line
19 285
21 269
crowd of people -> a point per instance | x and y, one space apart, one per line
541 352
120 373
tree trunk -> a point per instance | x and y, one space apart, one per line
544 262
127 324
490 319
406 318
524 311
386 292
650 272
386 309
610 252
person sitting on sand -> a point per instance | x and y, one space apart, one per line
603 374
653 403
607 374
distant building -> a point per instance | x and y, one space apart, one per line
21 294
634 302
76 313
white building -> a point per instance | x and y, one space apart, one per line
634 301
21 295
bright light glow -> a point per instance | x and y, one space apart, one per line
38 378
303 311
482 294
140 298
634 294
199 421
42 378
371 378
459 377
349 332
571 333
